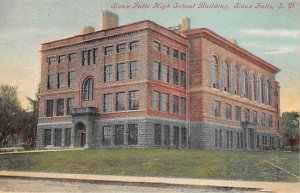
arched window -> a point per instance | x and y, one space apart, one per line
262 88
225 76
252 87
259 89
235 81
246 83
268 91
88 89
213 72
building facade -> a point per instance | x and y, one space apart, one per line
143 85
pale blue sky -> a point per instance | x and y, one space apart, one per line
270 34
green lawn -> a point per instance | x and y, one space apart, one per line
159 162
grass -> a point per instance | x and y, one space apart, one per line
159 162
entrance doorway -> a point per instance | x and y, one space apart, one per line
251 138
80 134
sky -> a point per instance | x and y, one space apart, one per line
272 34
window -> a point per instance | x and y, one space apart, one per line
89 56
254 117
51 60
263 119
258 89
120 101
227 139
156 46
165 50
235 82
216 108
133 45
268 93
183 136
132 134
49 108
175 76
60 80
182 79
231 139
213 72
88 89
61 58
164 102
70 105
94 55
157 134
182 106
60 107
133 100
107 102
260 119
120 71
106 135
225 76
175 105
154 100
182 56
50 82
108 50
119 135
244 91
155 70
238 113
166 135
72 57
228 112
121 48
252 87
57 137
238 140
270 124
67 137
107 73
220 138
174 53
216 138
47 137
71 78
247 115
176 136
164 73
133 70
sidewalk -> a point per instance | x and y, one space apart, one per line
280 187
43 150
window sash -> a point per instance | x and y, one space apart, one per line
120 71
120 102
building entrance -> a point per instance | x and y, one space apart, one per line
80 134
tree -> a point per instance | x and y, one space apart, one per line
11 113
32 121
289 126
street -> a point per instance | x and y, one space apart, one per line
20 185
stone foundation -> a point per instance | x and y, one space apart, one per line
202 135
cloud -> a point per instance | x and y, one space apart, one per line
282 50
272 48
272 33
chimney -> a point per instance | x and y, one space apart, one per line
108 20
233 40
86 30
185 24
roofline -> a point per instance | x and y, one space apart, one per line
232 45
109 29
